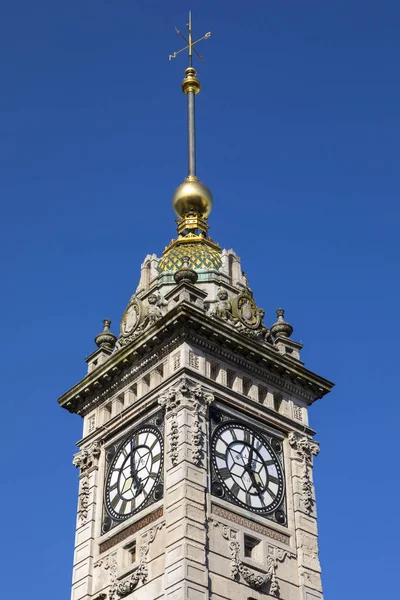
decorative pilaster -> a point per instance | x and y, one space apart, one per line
186 573
87 461
303 451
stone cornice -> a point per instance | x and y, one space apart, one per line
187 322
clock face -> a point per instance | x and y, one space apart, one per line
247 468
134 473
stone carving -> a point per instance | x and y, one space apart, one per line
171 402
198 400
305 449
109 563
194 360
92 423
176 359
87 457
247 311
125 587
154 310
201 401
131 317
84 460
137 318
239 569
223 308
242 312
83 506
297 412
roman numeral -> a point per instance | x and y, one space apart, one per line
224 472
235 489
273 479
219 454
154 443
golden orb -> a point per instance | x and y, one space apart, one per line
192 195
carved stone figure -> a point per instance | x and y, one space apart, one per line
154 311
223 308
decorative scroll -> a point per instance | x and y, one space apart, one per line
240 570
305 449
124 588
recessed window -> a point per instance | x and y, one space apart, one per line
251 547
107 412
131 552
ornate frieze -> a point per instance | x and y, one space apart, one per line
240 570
305 449
249 524
132 529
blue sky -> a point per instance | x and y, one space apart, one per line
298 138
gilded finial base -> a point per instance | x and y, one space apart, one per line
190 83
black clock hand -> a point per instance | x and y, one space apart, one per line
251 455
134 475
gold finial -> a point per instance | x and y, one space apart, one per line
192 195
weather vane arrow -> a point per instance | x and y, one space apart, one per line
189 42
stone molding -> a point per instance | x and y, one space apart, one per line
240 570
305 449
254 369
310 386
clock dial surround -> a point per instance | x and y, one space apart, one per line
246 469
134 475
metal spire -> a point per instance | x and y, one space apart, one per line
190 87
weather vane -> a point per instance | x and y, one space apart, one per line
191 195
189 42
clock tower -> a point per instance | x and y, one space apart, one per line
195 464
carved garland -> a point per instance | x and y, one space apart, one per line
125 587
171 401
199 400
305 449
239 569
85 460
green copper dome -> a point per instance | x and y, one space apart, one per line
203 257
